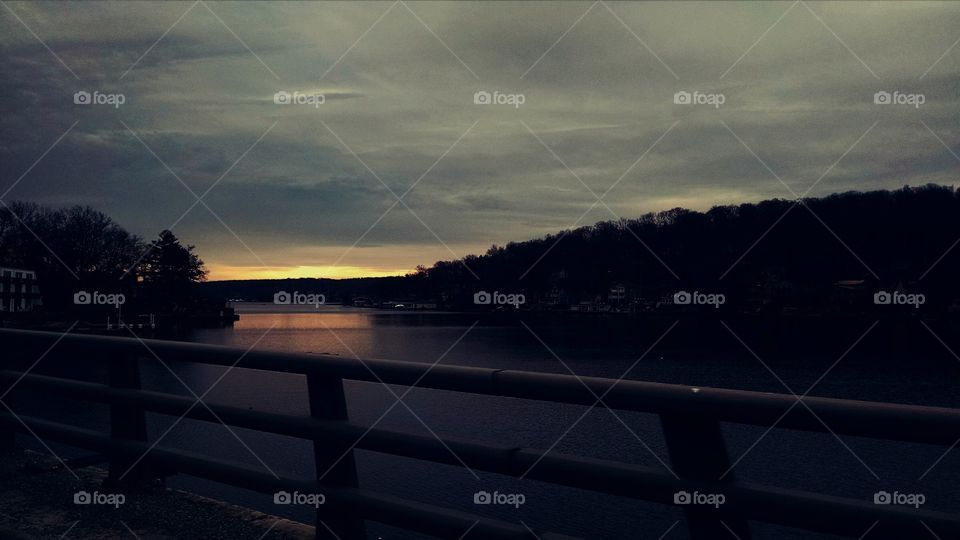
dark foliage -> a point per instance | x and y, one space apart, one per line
776 254
888 239
169 272
80 249
70 249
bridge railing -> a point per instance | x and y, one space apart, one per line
690 417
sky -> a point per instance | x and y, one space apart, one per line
389 154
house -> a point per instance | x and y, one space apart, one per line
557 296
852 294
617 294
19 290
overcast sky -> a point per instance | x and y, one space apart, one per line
311 189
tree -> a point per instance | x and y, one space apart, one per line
171 263
906 237
170 270
71 249
77 241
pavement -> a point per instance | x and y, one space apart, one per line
37 502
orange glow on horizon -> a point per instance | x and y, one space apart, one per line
218 272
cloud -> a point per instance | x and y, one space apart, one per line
397 99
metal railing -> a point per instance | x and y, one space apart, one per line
690 419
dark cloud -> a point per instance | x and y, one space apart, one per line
399 99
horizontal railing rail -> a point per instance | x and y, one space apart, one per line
691 420
415 516
908 423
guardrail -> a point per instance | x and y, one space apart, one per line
690 419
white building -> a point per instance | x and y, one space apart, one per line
618 293
19 290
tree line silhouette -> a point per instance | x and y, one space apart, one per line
79 248
816 254
779 251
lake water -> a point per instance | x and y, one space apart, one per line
891 361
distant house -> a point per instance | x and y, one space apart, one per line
617 294
851 284
409 304
772 289
587 306
557 296
19 290
851 293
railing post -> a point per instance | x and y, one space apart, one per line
8 440
335 463
126 423
8 437
698 452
